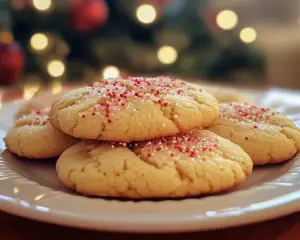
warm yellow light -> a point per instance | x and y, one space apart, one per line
56 87
30 90
111 72
42 5
39 197
146 13
39 41
227 19
6 37
167 54
16 190
56 68
248 35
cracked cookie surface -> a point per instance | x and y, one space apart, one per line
33 136
267 136
190 164
134 109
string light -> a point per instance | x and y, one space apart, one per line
6 37
42 5
30 90
146 13
39 41
167 54
56 68
227 19
111 72
248 35
56 87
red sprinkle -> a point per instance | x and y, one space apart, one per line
112 91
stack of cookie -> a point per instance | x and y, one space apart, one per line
153 137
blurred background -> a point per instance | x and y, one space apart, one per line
66 42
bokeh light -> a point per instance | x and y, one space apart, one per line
6 37
39 197
16 190
30 90
146 13
56 68
42 5
227 19
39 41
248 35
111 72
56 87
167 54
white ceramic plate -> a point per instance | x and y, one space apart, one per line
31 189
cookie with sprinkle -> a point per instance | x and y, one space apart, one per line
190 164
134 109
33 136
267 136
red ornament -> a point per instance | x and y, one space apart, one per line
88 14
162 3
11 62
210 16
19 4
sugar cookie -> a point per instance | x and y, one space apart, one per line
267 136
133 109
33 136
195 163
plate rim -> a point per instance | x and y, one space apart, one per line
284 205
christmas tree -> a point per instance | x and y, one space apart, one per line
84 39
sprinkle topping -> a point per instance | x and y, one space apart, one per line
39 116
191 144
114 94
245 112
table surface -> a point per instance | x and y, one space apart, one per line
284 228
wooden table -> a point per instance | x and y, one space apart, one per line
285 228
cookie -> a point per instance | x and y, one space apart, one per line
134 109
267 136
33 136
190 164
226 94
41 101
